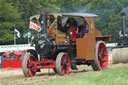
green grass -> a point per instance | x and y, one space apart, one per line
116 76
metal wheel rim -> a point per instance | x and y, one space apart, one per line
30 68
65 64
102 56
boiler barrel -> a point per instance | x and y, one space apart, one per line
120 55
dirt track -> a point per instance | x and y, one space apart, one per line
16 77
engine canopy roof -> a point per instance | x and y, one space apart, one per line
86 15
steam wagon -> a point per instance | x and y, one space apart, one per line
66 40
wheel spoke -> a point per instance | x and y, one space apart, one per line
102 56
104 60
62 70
29 71
65 58
62 67
62 63
30 66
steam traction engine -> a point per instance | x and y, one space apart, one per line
63 47
120 52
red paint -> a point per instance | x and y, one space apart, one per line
31 70
65 68
46 64
102 56
12 64
33 65
72 33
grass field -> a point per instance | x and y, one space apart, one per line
115 76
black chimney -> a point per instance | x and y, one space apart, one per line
43 16
124 25
123 14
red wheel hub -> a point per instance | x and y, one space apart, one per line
102 56
65 64
30 66
72 33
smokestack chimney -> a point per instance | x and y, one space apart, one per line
124 25
123 14
43 16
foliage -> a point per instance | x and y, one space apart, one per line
109 21
9 16
18 12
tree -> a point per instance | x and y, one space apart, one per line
18 12
8 18
109 21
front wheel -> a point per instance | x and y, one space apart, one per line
101 57
28 66
62 64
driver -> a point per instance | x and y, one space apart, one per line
70 22
71 28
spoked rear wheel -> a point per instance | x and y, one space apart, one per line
28 66
101 57
62 64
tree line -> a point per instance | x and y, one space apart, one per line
16 13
